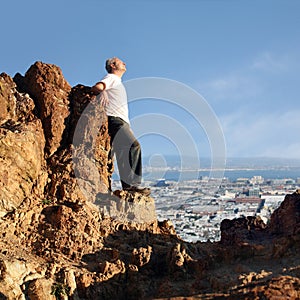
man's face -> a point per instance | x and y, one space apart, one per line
119 65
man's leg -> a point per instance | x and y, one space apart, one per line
135 161
128 152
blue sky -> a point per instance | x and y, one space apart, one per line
242 56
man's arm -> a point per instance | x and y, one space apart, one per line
98 88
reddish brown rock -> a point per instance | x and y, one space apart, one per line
41 289
49 89
7 98
91 144
141 256
241 230
22 142
22 165
62 231
286 219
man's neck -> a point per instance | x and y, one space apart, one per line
118 73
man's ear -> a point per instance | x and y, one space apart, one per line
112 65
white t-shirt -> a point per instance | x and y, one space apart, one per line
115 91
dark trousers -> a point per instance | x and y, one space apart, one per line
127 150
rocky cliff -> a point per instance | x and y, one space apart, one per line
63 236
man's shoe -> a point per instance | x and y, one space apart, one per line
143 190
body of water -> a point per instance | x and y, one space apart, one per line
232 175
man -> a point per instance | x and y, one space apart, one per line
113 96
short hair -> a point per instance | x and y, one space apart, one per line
108 63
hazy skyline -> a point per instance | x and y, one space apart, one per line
242 56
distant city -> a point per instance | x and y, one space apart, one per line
196 203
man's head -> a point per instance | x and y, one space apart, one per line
115 65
